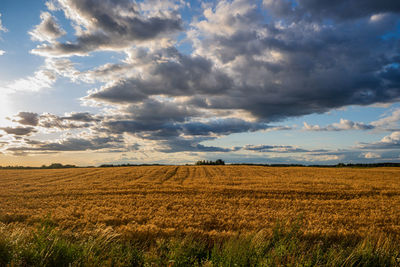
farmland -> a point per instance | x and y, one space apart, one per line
211 202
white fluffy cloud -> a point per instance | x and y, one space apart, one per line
48 29
106 25
386 123
371 155
389 122
389 142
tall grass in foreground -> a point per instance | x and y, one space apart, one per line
286 246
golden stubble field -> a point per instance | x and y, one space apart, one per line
214 201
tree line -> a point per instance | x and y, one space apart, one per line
210 162
51 166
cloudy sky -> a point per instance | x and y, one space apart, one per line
88 82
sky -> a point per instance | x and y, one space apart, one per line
90 82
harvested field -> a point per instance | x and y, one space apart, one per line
214 201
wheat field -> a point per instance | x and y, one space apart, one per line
214 201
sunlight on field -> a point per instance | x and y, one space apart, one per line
206 200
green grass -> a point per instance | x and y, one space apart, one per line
287 246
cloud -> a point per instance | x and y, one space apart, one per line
339 9
268 70
371 155
239 63
81 117
271 70
343 125
391 141
28 118
154 115
167 72
48 29
109 25
392 138
41 79
275 149
174 126
19 131
69 144
281 70
46 76
388 122
74 120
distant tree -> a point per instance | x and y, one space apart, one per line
210 162
55 166
219 162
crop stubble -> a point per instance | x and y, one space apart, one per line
206 200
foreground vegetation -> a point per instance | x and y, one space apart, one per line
285 246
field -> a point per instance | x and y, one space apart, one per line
207 202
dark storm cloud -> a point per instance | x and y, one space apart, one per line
152 116
347 9
74 120
124 91
155 112
28 118
167 72
166 129
108 25
77 144
19 131
158 120
82 117
392 76
70 144
339 9
303 68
